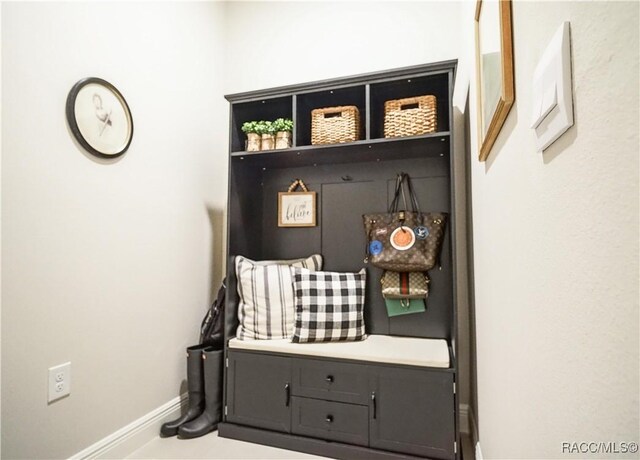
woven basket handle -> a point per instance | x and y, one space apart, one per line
295 184
333 113
410 103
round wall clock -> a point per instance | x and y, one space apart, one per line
99 117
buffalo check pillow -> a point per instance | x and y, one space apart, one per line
329 306
266 307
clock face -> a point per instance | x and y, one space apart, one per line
99 118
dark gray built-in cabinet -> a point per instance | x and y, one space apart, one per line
330 406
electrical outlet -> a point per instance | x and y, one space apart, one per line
59 381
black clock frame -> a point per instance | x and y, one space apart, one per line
73 124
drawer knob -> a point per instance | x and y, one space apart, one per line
329 418
329 378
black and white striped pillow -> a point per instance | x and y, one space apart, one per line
266 308
329 306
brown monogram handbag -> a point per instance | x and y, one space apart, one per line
404 241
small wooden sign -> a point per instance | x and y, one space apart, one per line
297 209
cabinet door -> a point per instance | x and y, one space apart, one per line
412 412
258 391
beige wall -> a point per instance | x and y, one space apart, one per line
278 43
109 265
556 245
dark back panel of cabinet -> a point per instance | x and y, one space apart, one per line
344 239
245 211
345 192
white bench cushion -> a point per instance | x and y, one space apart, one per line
376 348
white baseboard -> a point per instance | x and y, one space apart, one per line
134 435
468 426
478 452
473 426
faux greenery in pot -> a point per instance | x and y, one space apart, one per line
267 131
251 129
283 127
265 135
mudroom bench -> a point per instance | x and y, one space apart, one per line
392 395
379 393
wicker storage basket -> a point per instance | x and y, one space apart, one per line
334 125
410 117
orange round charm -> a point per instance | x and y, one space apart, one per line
402 238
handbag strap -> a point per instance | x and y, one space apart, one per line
393 206
412 195
401 180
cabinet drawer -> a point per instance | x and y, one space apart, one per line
330 380
330 420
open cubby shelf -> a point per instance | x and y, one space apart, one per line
366 93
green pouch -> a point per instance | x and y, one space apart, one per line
397 307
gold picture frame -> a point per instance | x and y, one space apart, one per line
494 68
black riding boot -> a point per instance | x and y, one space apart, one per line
195 385
212 414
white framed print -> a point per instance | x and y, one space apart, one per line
99 117
296 209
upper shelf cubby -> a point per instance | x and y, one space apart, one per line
436 85
350 96
267 109
368 92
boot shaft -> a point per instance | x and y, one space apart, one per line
212 360
213 368
195 374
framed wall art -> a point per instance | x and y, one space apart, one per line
99 117
297 209
494 64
